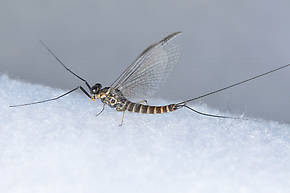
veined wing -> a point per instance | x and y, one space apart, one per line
143 77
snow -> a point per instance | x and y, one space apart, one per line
62 146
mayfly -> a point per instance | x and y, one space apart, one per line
140 80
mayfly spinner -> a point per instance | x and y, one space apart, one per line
141 80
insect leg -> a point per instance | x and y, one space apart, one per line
86 93
122 119
143 101
101 110
55 98
210 115
54 55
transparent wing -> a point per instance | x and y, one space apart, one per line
143 77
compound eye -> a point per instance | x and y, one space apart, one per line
95 90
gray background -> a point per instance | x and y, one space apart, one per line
223 42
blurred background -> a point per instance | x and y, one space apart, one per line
223 42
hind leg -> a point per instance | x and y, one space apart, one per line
143 101
122 119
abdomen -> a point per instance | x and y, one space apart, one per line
147 109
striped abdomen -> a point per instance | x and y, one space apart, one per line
139 108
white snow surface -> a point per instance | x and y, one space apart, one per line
62 147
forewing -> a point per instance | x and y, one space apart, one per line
144 76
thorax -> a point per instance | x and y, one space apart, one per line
112 97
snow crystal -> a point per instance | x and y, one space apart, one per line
62 146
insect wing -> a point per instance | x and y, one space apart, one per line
143 77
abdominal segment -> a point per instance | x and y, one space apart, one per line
147 109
